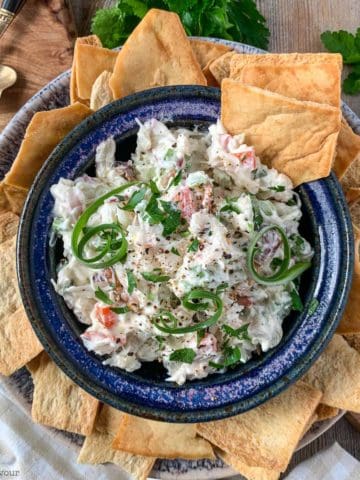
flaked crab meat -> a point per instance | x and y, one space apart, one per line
208 344
191 200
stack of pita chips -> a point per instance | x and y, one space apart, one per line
288 106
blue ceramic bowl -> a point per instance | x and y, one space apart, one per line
325 224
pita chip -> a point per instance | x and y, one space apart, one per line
266 436
240 60
97 447
315 82
337 374
352 195
297 138
220 68
8 226
159 439
15 196
324 412
347 150
91 61
353 339
43 133
157 53
250 473
74 95
207 52
57 401
19 343
101 93
4 203
350 323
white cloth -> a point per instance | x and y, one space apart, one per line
32 452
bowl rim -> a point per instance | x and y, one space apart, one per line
147 411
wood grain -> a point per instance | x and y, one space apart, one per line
37 45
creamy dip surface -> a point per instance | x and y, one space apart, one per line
189 254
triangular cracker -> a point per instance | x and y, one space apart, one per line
97 447
159 439
157 53
57 401
297 138
266 436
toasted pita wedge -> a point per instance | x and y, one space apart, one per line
211 80
354 207
324 412
347 150
74 96
250 473
16 197
337 374
43 133
159 439
353 339
315 82
57 401
91 61
18 342
206 52
4 203
8 226
350 323
101 93
352 195
297 138
266 436
220 68
97 447
239 60
157 53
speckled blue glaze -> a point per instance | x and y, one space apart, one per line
217 396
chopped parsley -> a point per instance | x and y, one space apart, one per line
155 276
278 188
175 251
176 180
135 199
241 333
258 173
131 281
194 246
169 154
154 188
183 355
297 304
232 356
222 287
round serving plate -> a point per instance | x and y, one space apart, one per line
19 385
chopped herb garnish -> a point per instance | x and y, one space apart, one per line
185 233
296 301
175 251
172 220
194 246
153 187
313 306
102 296
278 188
291 202
222 287
152 209
155 277
241 333
176 180
120 310
135 198
230 208
56 225
232 355
200 334
258 219
131 281
169 154
184 355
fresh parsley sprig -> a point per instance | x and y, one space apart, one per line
348 45
237 20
